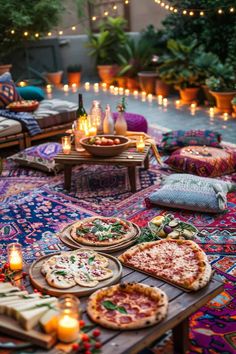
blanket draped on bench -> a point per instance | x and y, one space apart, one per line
26 119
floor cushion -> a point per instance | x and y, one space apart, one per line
203 161
40 157
179 138
31 93
135 122
192 192
8 92
55 112
9 127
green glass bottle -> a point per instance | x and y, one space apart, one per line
81 113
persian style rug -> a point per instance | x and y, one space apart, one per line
34 207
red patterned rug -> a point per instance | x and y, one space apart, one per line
34 206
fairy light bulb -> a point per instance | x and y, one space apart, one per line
231 9
26 33
201 13
162 4
126 2
171 8
73 28
94 18
114 7
175 11
106 13
220 11
60 33
12 32
36 35
49 34
184 12
191 13
167 7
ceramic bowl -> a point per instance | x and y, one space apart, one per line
106 151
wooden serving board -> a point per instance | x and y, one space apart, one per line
11 327
39 282
66 238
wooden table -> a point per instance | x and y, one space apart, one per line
78 158
181 306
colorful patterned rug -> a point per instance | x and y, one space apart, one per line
34 207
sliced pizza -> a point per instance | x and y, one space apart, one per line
102 231
128 306
179 262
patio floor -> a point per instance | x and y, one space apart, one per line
168 117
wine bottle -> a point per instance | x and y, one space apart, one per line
81 113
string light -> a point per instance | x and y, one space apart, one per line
60 33
94 18
73 28
184 12
201 13
231 9
114 7
220 11
49 34
106 13
26 33
12 32
191 13
36 35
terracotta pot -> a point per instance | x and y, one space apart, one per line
210 99
234 108
132 83
121 81
54 78
147 81
188 95
74 78
162 88
223 101
107 72
5 68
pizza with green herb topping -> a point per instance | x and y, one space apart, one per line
102 231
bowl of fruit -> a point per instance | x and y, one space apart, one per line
167 226
105 145
23 106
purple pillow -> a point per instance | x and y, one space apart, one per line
135 122
8 92
40 157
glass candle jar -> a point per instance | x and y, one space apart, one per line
14 255
68 321
140 144
66 144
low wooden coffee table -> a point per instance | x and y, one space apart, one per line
129 158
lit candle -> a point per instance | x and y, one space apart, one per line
140 144
96 87
143 96
177 103
87 86
66 88
112 88
226 116
165 102
92 131
22 83
193 106
159 99
127 92
74 88
121 91
149 97
66 144
15 258
135 94
116 91
104 86
68 322
211 112
49 88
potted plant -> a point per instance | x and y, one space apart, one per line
179 68
74 74
222 86
234 104
54 77
134 57
105 46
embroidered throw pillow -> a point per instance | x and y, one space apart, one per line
40 157
203 161
8 92
189 192
180 138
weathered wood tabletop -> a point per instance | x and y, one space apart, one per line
181 305
129 158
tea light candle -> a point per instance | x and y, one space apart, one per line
15 258
22 83
121 91
74 88
66 144
127 92
193 106
159 99
92 131
116 91
149 97
140 144
226 116
49 88
135 93
66 88
177 103
87 86
130 157
96 87
68 322
104 86
211 112
165 102
112 88
143 96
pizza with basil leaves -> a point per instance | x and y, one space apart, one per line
128 306
81 267
102 231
